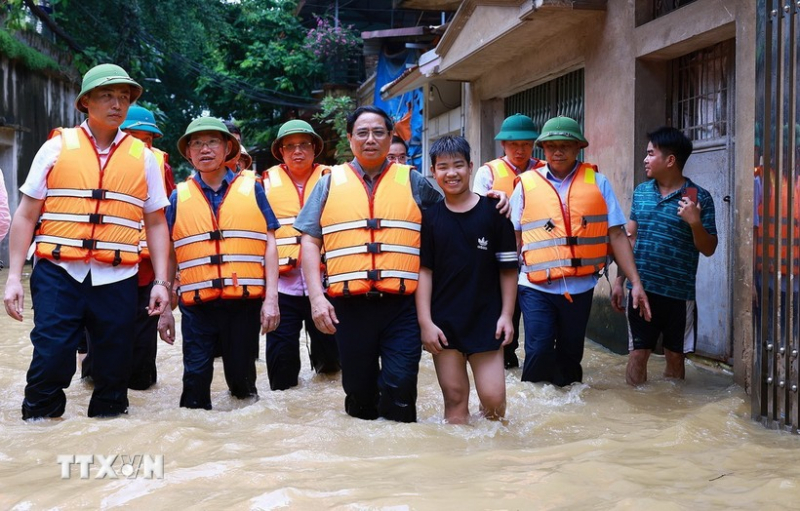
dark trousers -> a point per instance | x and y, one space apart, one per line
234 326
283 344
380 349
64 310
143 361
555 330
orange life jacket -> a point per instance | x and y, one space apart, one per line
371 243
504 176
91 212
770 218
286 201
162 160
222 256
558 240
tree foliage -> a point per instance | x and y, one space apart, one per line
243 60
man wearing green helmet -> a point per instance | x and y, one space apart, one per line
87 193
517 135
288 186
223 232
566 216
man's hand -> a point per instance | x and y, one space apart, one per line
324 315
504 330
503 206
166 327
270 315
640 301
433 339
14 298
618 295
159 300
689 211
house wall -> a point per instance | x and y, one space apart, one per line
31 104
626 69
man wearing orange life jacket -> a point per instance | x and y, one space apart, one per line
223 234
517 135
367 215
89 189
141 124
565 215
288 186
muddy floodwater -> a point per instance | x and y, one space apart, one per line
597 445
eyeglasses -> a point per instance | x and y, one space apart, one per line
213 144
376 134
399 158
303 146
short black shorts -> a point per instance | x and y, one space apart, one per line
675 319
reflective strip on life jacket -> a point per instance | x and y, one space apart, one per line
371 241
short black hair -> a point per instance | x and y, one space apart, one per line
232 127
672 141
449 145
398 140
368 109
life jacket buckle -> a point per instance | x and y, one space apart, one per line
215 235
572 240
89 244
374 275
373 248
575 262
373 223
95 218
217 283
99 194
215 259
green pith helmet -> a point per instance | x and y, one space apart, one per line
208 124
106 74
517 127
141 119
562 128
294 127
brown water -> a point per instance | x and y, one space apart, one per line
599 445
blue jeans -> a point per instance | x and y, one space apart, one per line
555 330
380 347
65 310
283 344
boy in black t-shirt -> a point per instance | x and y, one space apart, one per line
467 286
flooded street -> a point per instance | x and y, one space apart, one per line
599 445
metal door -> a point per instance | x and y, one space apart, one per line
702 92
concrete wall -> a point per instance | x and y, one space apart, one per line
31 104
625 57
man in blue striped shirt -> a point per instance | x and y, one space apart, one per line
671 223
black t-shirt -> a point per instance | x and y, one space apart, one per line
465 252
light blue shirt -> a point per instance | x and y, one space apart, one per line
573 285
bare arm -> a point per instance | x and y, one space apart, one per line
432 336
689 211
22 227
321 309
617 292
624 257
158 241
270 314
508 290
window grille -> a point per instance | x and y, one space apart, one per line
700 92
561 96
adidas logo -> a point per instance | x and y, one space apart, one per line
483 243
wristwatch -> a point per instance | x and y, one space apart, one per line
164 283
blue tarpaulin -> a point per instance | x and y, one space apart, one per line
389 68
